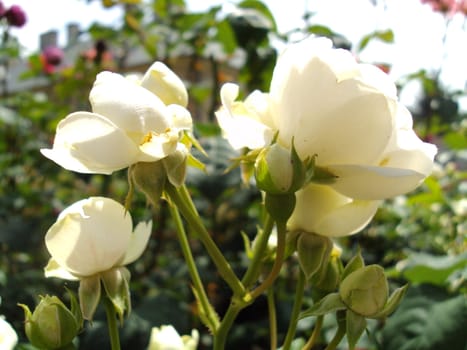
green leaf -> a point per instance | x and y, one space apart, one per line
427 268
321 30
393 302
330 303
354 264
386 36
261 8
429 319
226 36
355 325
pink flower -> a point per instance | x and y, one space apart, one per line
462 7
15 16
443 6
53 55
2 9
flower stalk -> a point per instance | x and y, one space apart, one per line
183 201
206 308
111 315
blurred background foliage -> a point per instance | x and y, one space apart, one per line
419 238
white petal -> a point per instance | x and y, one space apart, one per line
8 336
348 219
53 269
240 124
128 105
90 237
158 146
373 182
138 242
165 84
90 143
165 338
341 119
180 118
375 77
320 209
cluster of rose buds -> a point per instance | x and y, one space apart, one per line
15 15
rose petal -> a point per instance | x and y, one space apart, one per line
374 182
158 146
53 269
342 120
131 107
138 242
240 125
90 143
320 209
91 236
165 84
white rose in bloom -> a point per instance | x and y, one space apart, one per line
8 336
131 121
348 115
167 338
91 236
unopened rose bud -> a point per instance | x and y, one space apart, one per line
329 279
313 253
15 16
52 325
149 178
365 291
279 170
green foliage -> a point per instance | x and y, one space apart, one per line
419 238
386 36
428 319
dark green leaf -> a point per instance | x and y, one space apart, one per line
429 319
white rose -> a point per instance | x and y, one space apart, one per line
91 236
167 338
131 121
8 336
348 115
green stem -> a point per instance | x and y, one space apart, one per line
207 309
278 262
272 320
260 246
112 324
300 290
315 335
184 204
337 339
221 335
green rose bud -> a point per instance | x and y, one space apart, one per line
313 253
365 291
52 325
328 280
175 166
149 178
279 170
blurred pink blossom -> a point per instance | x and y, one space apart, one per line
15 16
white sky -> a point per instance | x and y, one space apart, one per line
418 30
